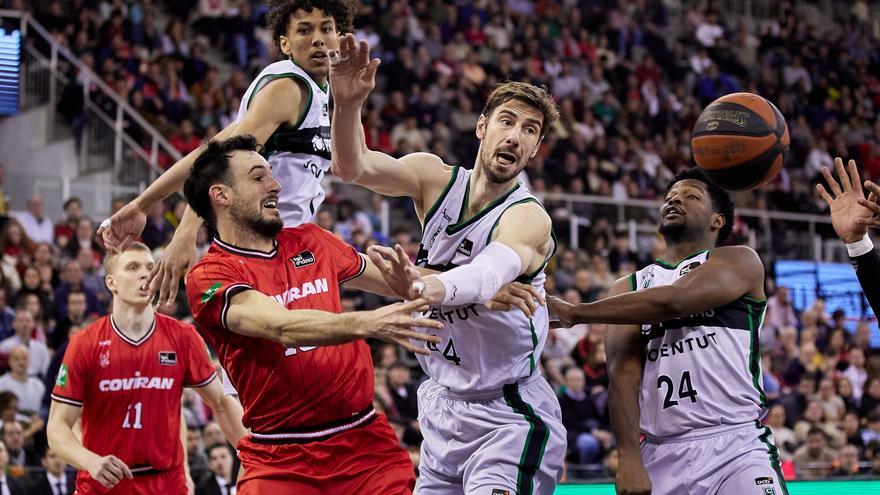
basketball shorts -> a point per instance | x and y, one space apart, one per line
503 442
366 459
719 461
172 482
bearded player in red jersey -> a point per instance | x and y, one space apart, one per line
124 376
305 377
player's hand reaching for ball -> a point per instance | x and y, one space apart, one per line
395 324
352 72
851 213
123 227
109 471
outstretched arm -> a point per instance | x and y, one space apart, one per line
276 103
730 273
851 215
623 353
352 77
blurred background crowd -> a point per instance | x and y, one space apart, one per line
628 97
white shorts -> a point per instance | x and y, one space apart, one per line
505 442
733 460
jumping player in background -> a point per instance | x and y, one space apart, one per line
124 376
286 108
684 357
269 301
482 229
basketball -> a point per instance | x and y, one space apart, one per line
740 141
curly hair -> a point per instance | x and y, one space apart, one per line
278 18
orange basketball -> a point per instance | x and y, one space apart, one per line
740 141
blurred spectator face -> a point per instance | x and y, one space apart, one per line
776 416
857 357
398 376
782 295
193 440
73 273
220 461
53 463
863 336
84 229
815 444
32 305
11 410
76 306
72 210
31 278
86 258
325 220
13 436
844 388
574 380
19 361
310 36
849 458
851 424
23 324
388 356
35 206
583 280
813 413
806 386
808 352
43 254
826 389
13 233
213 433
572 296
568 260
157 212
4 457
873 388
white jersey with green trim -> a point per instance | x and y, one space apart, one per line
300 153
480 349
702 370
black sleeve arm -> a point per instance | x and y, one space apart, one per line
867 267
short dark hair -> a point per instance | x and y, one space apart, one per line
210 168
815 430
210 448
72 200
534 96
280 12
721 200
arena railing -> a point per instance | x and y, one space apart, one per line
110 134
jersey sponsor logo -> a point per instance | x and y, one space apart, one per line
682 346
452 315
167 358
769 490
104 343
209 292
307 289
325 110
466 247
61 381
302 259
685 270
648 279
766 480
136 383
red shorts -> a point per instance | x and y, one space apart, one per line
171 482
365 460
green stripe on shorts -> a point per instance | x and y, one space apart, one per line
536 440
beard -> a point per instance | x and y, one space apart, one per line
673 231
254 220
496 176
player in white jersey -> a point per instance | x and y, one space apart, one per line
491 423
286 108
687 328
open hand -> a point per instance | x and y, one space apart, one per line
850 212
395 324
526 297
124 226
352 72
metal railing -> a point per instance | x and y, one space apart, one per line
101 122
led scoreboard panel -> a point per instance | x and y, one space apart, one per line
10 62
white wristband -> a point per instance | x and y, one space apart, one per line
860 247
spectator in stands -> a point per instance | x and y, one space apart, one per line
871 432
213 433
847 462
34 221
19 454
157 231
563 274
845 391
93 274
804 365
856 373
67 226
814 417
586 438
871 396
221 481
195 457
31 284
784 438
796 401
832 405
23 324
780 311
814 460
45 264
55 364
11 484
769 381
17 249
75 317
785 349
7 316
403 392
83 237
852 429
584 284
27 389
31 303
72 281
186 140
55 480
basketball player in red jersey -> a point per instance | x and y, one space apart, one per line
304 377
124 376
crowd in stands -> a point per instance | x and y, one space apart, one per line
628 93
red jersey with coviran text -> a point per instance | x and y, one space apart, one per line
130 391
281 388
